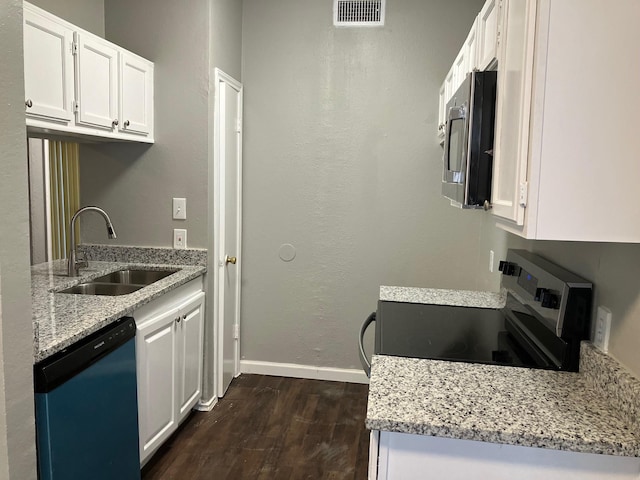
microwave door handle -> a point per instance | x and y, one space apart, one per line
455 113
366 365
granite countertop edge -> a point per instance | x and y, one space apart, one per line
79 311
392 409
523 439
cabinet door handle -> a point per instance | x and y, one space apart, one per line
126 123
28 103
184 317
115 123
178 319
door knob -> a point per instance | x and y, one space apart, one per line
230 260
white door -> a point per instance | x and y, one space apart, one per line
97 82
155 367
48 67
228 224
189 339
136 94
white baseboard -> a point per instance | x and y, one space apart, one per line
350 375
206 406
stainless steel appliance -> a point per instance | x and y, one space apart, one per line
468 144
546 316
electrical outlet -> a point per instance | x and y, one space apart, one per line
179 238
491 261
179 208
602 329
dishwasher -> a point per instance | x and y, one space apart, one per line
87 408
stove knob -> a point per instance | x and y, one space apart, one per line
549 300
539 292
509 268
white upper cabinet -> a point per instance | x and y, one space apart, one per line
509 183
89 96
136 94
442 114
566 155
488 35
48 66
96 82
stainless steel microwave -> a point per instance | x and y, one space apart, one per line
468 143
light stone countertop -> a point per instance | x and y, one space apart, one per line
60 319
437 296
579 412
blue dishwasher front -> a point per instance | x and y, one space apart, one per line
87 408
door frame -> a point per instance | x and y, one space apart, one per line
221 77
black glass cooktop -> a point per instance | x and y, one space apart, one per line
443 332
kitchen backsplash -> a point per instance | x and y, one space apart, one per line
118 253
614 381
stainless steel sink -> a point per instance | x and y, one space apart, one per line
96 288
134 277
120 282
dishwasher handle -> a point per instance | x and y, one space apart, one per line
366 365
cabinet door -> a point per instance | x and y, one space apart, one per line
509 190
190 344
96 81
459 68
48 67
488 23
471 48
155 364
442 114
136 94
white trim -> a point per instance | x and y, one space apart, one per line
350 375
206 406
374 440
219 247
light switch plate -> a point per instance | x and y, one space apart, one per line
179 238
179 208
602 329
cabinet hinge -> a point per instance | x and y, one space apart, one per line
238 126
236 331
524 192
76 106
74 48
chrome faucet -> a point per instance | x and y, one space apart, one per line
74 264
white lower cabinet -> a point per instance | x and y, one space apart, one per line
419 457
169 356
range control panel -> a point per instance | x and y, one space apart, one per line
561 299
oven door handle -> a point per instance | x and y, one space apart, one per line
366 365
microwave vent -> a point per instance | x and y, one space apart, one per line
358 13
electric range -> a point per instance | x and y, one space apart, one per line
546 316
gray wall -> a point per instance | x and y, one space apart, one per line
614 269
341 160
87 14
17 435
226 36
136 183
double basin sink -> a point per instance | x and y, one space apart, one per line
120 282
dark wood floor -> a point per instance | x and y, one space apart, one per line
271 428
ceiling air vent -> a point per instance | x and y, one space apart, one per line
358 13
